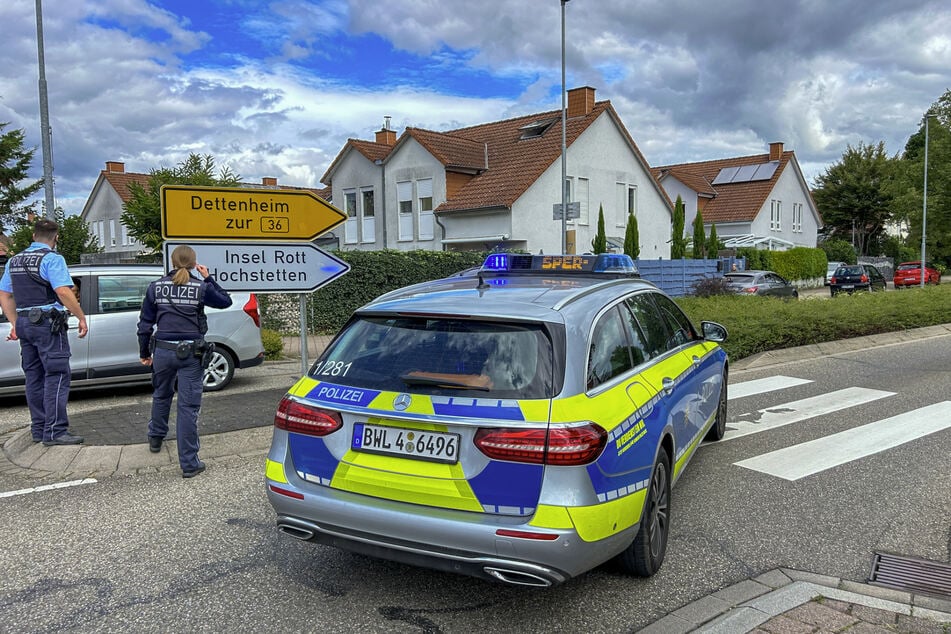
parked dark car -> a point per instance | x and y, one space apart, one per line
856 277
760 283
909 274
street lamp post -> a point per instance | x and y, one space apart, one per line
44 116
564 121
924 204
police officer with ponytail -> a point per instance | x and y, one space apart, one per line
35 292
171 331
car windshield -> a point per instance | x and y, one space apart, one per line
454 357
849 270
740 278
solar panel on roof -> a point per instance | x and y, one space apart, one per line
746 173
726 175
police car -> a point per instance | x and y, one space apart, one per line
523 423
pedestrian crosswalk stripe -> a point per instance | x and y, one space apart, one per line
759 386
796 411
799 461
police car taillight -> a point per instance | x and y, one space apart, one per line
303 419
559 446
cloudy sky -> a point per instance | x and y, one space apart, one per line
274 88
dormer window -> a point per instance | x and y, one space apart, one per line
536 128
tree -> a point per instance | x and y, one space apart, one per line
74 237
854 196
142 214
14 167
678 245
600 242
699 237
632 238
908 185
713 242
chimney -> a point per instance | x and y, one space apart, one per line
269 181
776 151
115 167
580 101
385 135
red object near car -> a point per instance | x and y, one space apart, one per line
909 274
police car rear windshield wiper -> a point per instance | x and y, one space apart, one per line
461 381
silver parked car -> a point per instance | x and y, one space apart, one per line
760 283
111 296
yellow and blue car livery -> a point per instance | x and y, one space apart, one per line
521 424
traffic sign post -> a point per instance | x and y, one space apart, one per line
231 213
265 267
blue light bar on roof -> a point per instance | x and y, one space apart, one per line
517 262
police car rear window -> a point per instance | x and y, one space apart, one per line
441 356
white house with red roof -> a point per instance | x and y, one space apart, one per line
494 185
760 201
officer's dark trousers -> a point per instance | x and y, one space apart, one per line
166 369
45 361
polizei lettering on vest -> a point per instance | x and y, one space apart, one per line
184 292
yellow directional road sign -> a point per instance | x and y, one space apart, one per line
203 213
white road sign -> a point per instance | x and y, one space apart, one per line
265 267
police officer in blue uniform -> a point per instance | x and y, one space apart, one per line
36 287
171 331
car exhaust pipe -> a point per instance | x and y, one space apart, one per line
517 577
298 532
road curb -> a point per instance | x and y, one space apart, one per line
785 597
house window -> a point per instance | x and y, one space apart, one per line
797 217
350 208
424 191
112 231
369 219
626 203
775 215
404 196
582 193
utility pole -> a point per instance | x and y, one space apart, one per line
564 122
45 133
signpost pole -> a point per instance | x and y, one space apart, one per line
303 334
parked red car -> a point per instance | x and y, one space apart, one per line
909 274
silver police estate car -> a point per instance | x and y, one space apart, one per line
523 423
111 296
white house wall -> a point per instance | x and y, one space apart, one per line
356 172
601 155
788 190
675 188
412 163
103 214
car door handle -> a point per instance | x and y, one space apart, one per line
668 384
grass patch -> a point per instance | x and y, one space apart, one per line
758 324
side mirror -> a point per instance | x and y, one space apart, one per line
713 331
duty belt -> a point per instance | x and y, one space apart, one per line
172 345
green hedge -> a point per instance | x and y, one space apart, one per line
372 273
798 263
757 324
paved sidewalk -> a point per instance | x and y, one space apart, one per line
779 601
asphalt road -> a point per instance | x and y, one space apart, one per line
154 552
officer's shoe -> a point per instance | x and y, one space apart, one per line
64 439
155 444
193 472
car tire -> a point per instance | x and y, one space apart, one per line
718 429
219 372
646 553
